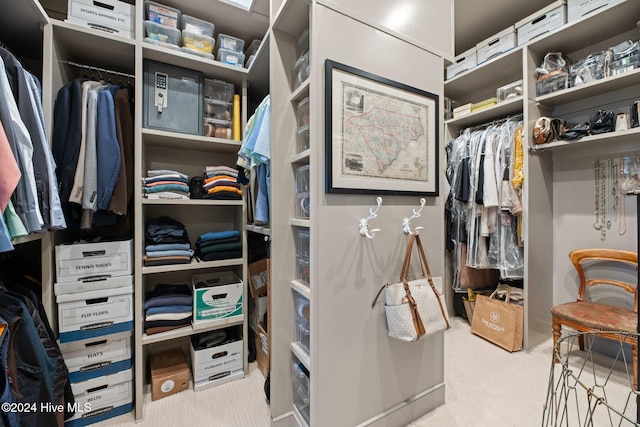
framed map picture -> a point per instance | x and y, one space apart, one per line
381 136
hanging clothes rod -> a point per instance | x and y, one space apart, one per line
491 123
100 70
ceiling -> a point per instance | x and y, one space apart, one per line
475 21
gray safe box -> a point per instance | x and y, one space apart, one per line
172 98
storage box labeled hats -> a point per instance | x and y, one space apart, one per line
169 374
496 45
102 398
99 357
463 62
576 9
216 296
544 21
93 314
216 364
94 283
112 16
81 260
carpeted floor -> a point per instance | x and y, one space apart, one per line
485 386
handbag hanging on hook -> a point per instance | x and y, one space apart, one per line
414 308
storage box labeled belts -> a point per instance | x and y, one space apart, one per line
102 356
94 314
112 16
216 296
576 9
216 364
463 62
76 262
172 98
544 21
102 398
493 46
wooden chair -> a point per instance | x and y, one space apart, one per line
587 316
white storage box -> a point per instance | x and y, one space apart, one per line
576 9
96 283
112 16
215 363
463 62
544 21
94 314
498 44
83 260
216 296
102 398
100 357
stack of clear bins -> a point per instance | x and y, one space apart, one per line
301 377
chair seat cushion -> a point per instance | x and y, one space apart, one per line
597 316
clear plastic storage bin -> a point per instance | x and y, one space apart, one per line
302 138
509 91
217 128
230 43
161 14
301 378
302 205
231 57
303 43
159 43
215 109
196 25
302 242
552 84
197 41
253 47
162 33
302 179
218 90
302 112
625 65
302 336
302 308
301 70
302 269
197 52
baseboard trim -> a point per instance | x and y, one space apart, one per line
284 420
409 410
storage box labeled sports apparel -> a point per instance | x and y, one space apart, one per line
77 261
102 356
112 16
498 321
216 296
415 308
95 314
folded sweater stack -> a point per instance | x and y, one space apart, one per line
167 307
166 184
221 183
219 245
166 242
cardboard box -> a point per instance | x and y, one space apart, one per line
258 278
576 9
258 309
463 62
262 352
169 374
496 45
102 398
97 358
94 314
96 283
113 16
217 296
544 21
80 261
211 364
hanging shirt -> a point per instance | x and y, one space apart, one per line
9 173
108 148
14 223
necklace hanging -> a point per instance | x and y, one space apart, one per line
596 173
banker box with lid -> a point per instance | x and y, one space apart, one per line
217 295
162 33
213 363
162 14
544 21
101 356
576 9
112 16
196 25
78 261
230 43
463 62
496 45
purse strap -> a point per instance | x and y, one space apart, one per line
500 287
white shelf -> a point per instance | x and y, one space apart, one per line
192 202
301 91
598 87
187 141
292 17
21 27
501 109
301 354
301 288
301 157
260 229
259 69
194 265
29 238
300 222
299 418
194 328
621 137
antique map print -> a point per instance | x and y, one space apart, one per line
384 136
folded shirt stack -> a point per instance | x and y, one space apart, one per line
221 183
166 184
219 245
166 242
167 307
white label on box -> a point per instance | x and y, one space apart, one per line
107 15
106 397
259 280
231 59
97 355
89 266
167 386
218 312
90 315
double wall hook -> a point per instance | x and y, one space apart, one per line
364 222
406 223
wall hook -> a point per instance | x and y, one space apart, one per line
364 222
406 223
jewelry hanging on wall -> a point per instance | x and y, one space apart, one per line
596 179
599 170
622 219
